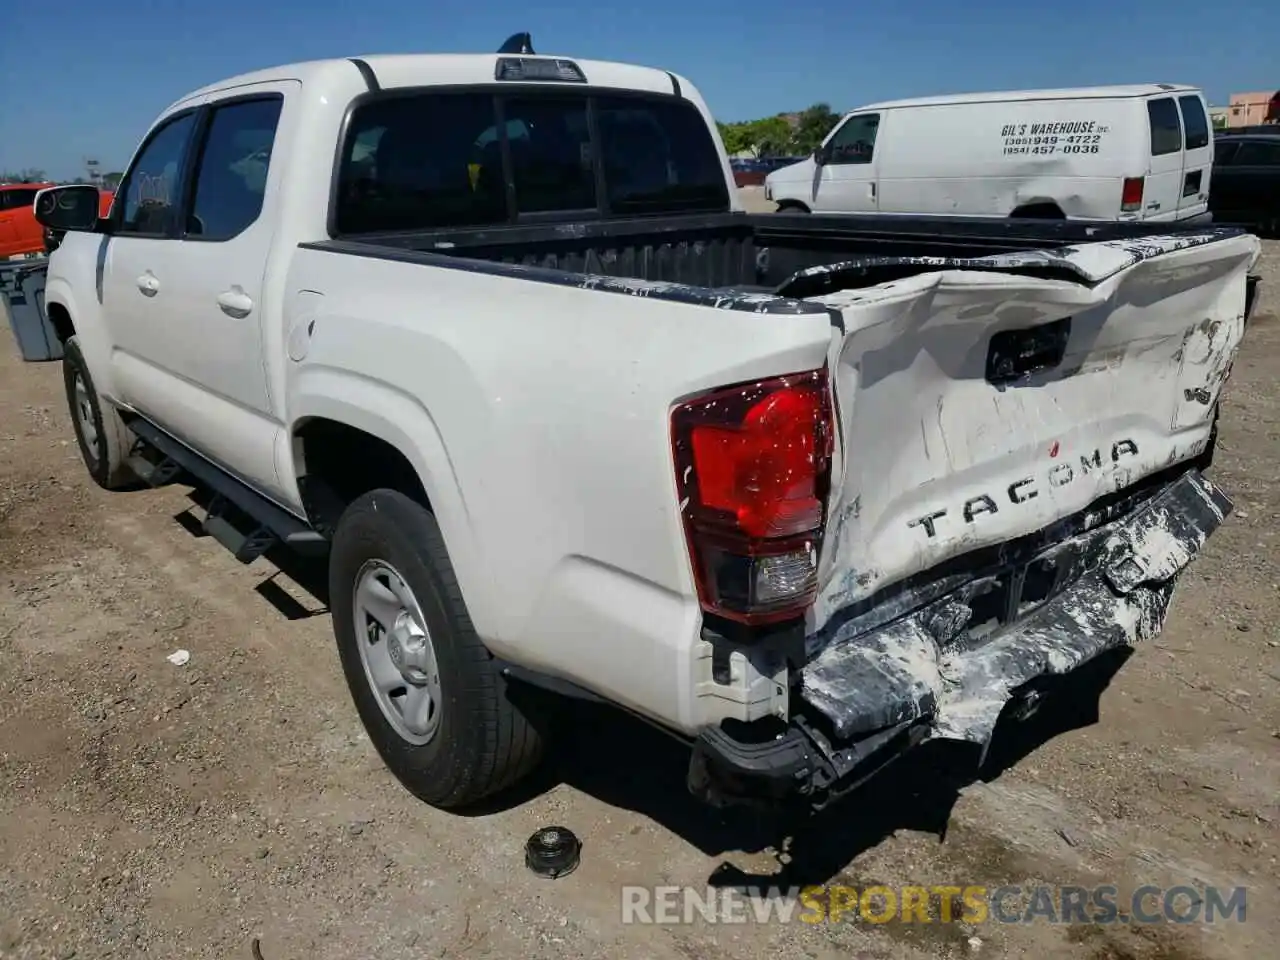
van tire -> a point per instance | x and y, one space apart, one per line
481 742
790 206
104 440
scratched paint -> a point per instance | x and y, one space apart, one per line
922 666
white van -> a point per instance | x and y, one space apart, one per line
1140 152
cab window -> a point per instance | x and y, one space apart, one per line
152 187
855 141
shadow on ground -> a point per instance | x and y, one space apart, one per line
629 764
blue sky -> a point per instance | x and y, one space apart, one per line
86 78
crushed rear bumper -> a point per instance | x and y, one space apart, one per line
872 694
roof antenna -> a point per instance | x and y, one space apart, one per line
518 43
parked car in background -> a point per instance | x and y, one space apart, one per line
802 491
1254 128
1246 181
751 172
1140 152
20 234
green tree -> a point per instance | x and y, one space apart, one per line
771 137
735 137
813 126
30 175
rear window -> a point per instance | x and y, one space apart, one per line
1194 122
1166 132
450 159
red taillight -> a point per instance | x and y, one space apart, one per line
753 464
1131 194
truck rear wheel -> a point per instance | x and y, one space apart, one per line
103 438
428 692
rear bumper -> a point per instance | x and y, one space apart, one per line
872 694
1198 220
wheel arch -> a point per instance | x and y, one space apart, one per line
335 415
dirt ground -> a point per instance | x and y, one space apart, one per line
161 811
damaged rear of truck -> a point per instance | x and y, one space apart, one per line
997 476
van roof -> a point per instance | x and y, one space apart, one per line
1068 93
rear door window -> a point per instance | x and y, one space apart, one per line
231 178
1194 122
1166 132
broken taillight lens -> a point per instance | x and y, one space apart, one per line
1131 194
753 467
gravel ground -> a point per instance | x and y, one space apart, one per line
161 811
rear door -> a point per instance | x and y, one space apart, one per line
207 378
847 181
1197 163
1163 187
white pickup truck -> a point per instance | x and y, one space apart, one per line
493 334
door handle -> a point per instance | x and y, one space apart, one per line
1153 205
148 284
235 303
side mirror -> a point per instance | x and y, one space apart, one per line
822 155
68 208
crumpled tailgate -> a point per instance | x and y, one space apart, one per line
981 401
923 667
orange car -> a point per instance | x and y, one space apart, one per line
19 232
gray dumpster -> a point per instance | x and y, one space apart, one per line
22 293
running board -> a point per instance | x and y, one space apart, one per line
269 524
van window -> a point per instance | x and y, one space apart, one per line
1194 122
1166 132
855 142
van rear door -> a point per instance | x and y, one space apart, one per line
1163 186
1197 162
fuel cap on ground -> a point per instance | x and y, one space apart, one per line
552 852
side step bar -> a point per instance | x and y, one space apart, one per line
268 524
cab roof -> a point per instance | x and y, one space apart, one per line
1131 91
430 69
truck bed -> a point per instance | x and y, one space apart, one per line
714 257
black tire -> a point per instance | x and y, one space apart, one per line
105 457
483 744
792 208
